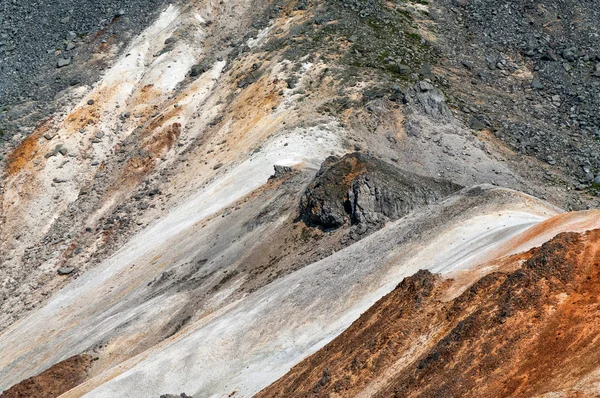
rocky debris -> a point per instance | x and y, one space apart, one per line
531 71
361 189
182 395
30 33
40 57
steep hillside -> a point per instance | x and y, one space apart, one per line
208 192
527 329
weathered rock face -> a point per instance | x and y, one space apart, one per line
361 189
430 100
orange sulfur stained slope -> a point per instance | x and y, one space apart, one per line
22 155
526 332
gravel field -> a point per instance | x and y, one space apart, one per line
41 41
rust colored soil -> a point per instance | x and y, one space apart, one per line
53 382
521 332
20 157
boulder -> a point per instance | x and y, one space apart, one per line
359 188
65 270
280 171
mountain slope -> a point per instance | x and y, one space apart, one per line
245 178
527 329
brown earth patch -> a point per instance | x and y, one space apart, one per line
161 143
27 150
53 382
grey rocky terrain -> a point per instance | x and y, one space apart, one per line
530 72
48 46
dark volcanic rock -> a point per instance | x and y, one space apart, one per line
182 395
280 171
359 188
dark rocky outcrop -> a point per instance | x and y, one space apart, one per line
280 171
361 189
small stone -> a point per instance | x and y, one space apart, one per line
549 56
426 71
70 46
218 166
58 180
54 151
49 136
425 86
404 70
597 180
63 151
62 62
65 270
90 102
536 83
71 35
197 70
476 123
550 160
569 55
